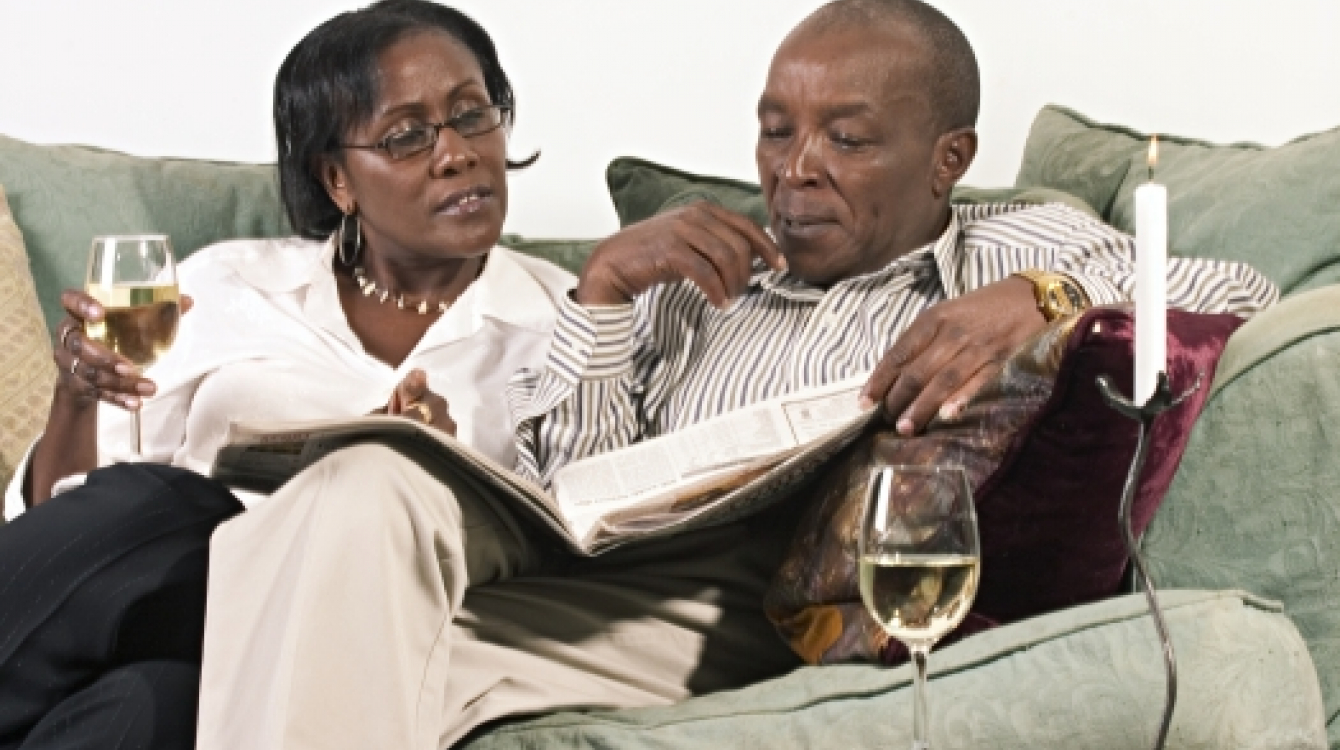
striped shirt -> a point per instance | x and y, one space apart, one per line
619 374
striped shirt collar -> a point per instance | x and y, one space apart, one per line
942 254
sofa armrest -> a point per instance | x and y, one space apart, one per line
1256 501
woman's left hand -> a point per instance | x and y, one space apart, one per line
413 400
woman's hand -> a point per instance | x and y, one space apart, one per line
89 371
412 399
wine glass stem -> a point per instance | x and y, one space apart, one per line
136 442
920 726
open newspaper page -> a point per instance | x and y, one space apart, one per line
261 457
712 473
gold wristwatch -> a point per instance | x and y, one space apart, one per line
1057 294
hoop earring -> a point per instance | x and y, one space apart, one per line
341 246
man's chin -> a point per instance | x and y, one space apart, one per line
815 263
813 271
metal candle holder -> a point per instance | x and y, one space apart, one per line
1161 401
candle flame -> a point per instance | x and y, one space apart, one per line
1153 151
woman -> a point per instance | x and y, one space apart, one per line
393 170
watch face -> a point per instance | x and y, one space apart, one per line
1073 295
1061 299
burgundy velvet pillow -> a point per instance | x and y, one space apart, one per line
1047 459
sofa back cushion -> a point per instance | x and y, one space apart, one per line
1274 208
62 196
26 369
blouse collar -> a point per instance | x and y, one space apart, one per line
506 291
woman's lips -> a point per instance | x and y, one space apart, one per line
465 202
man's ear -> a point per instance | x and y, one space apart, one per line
954 152
336 182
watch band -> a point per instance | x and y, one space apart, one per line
1057 294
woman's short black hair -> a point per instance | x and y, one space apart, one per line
328 85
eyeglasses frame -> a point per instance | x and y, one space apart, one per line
504 112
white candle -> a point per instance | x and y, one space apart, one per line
1151 282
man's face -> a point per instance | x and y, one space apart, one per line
846 151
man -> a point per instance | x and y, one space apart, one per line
451 615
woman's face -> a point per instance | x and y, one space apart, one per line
446 202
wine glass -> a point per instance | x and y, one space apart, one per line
134 278
919 562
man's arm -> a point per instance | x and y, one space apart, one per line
1102 260
603 367
585 401
952 350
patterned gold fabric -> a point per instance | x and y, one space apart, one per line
26 369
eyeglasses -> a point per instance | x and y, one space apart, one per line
405 143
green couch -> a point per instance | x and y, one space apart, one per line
1246 544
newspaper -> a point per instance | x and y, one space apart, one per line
714 472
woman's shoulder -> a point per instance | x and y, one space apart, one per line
272 264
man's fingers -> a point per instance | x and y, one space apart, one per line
914 340
690 265
954 405
727 251
935 372
735 254
760 243
926 394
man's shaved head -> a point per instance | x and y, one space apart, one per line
950 75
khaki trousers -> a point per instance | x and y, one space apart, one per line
369 604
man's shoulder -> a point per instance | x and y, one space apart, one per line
1031 225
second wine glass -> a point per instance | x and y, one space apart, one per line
919 562
134 278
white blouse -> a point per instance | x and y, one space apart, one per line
267 340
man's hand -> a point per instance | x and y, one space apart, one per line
950 351
704 243
413 400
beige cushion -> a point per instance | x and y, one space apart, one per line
26 370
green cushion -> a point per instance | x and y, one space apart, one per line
570 254
642 188
1274 208
1256 502
1087 677
64 195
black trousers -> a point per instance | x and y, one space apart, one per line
102 611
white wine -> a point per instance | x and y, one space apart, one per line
140 322
918 598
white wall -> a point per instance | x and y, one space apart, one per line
673 81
